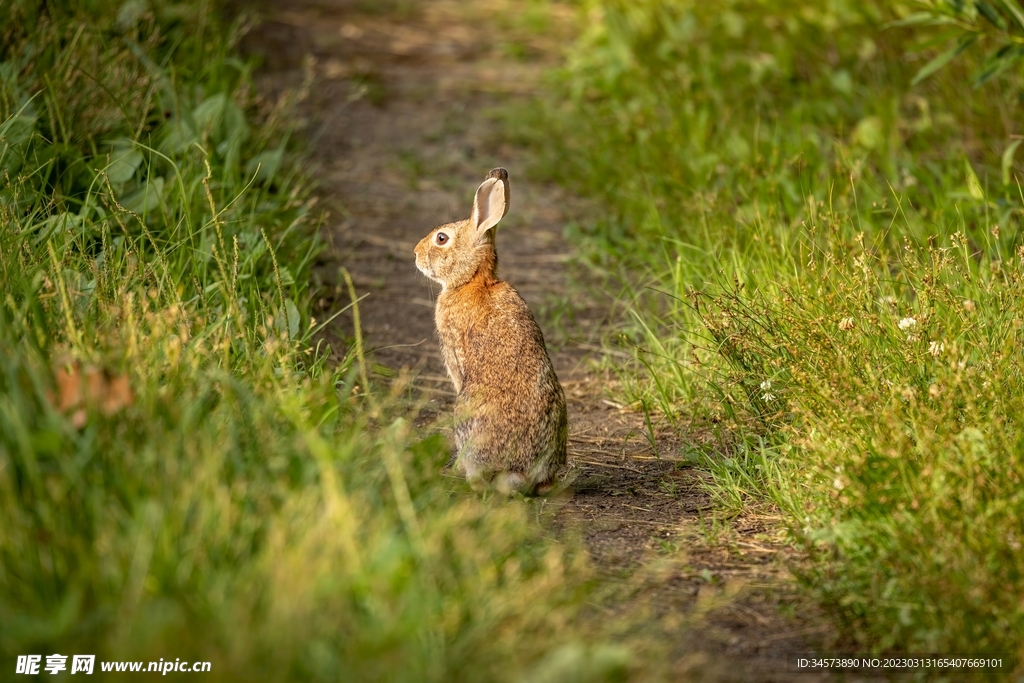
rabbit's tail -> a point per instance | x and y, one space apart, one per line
507 483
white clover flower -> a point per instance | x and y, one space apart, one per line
906 323
846 324
768 397
766 385
936 348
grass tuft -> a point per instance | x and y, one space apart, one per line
823 263
181 476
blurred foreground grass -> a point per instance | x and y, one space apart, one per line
824 271
180 474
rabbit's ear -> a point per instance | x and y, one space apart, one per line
491 202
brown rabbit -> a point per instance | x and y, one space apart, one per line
510 420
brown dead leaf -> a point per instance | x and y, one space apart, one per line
69 388
79 389
119 395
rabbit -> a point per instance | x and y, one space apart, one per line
510 416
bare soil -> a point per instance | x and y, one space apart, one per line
405 118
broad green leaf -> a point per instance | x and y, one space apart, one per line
146 198
15 135
178 137
124 161
59 223
265 164
869 133
221 118
234 124
944 58
209 112
293 318
17 128
973 184
841 81
1008 153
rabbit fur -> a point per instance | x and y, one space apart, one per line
510 417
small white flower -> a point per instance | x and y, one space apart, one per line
936 348
846 324
768 397
838 484
906 323
766 385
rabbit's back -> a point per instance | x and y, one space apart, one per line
510 408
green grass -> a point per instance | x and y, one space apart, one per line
780 203
211 489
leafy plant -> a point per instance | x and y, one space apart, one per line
822 267
962 23
177 464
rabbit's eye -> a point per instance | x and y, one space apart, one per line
441 238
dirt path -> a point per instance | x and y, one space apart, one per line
404 120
